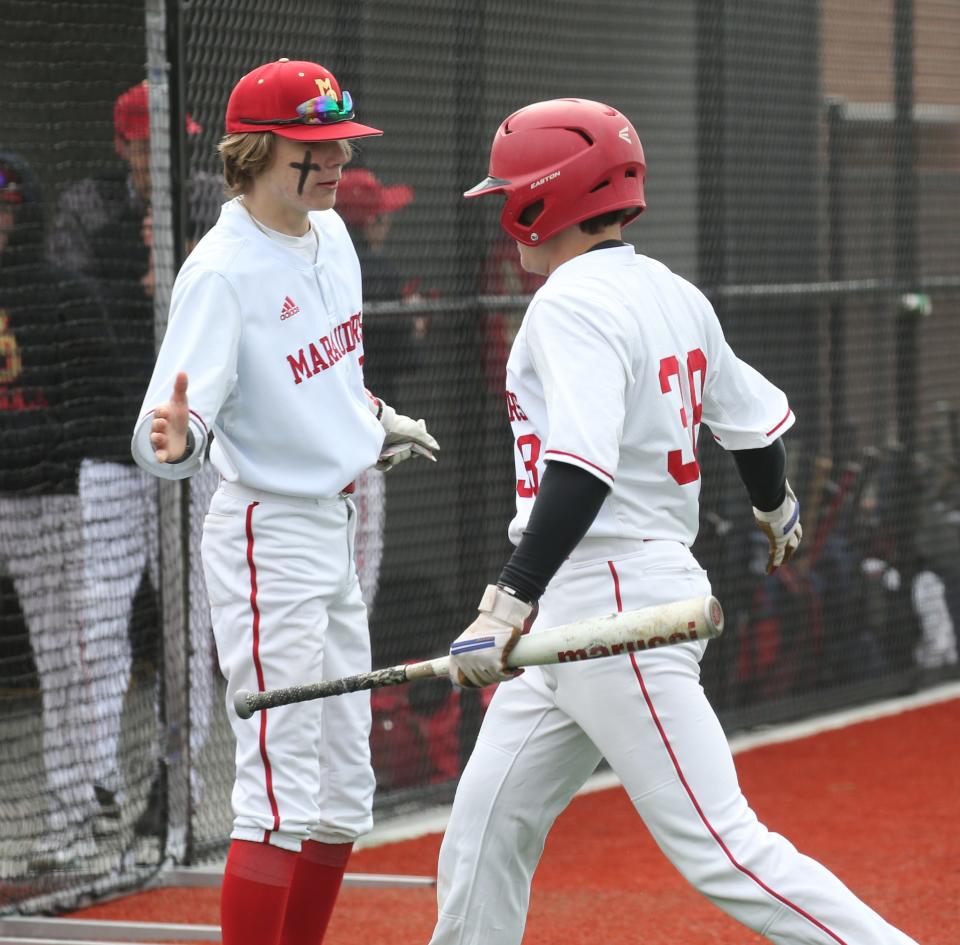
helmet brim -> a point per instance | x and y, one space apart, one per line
489 185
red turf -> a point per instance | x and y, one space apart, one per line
875 802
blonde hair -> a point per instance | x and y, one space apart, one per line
247 154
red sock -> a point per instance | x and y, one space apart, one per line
253 898
314 890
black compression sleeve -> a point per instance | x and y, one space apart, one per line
567 502
764 473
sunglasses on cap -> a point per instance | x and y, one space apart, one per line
322 110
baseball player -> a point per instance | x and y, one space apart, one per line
266 329
50 350
103 230
617 363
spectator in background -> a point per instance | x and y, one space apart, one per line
50 352
368 207
503 275
103 230
152 822
414 736
93 213
390 342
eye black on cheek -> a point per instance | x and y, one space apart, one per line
305 168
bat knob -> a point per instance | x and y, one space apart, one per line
241 704
714 614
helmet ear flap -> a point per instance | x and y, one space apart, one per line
528 215
524 221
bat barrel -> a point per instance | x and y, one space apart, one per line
713 616
633 631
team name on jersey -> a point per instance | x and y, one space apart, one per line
17 399
343 339
514 411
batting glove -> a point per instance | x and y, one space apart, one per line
405 437
782 528
478 657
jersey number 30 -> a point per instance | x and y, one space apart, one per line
529 446
692 398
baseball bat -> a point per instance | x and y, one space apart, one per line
632 631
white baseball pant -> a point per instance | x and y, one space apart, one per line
287 609
41 550
119 502
647 714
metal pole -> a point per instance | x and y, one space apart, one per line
164 68
902 523
836 248
906 267
471 145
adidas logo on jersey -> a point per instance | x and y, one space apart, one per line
290 308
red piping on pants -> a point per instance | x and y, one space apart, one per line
693 800
255 610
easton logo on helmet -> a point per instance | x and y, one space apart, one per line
543 180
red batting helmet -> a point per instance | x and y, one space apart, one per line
580 158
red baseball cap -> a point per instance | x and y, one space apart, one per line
131 116
361 197
294 99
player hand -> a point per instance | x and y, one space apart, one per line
478 656
782 528
405 438
168 432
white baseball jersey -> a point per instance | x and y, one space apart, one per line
616 364
273 349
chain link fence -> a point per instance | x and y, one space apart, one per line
803 169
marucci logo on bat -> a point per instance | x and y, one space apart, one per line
596 650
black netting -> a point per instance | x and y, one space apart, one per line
803 170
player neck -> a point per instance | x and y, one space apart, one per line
284 219
566 245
